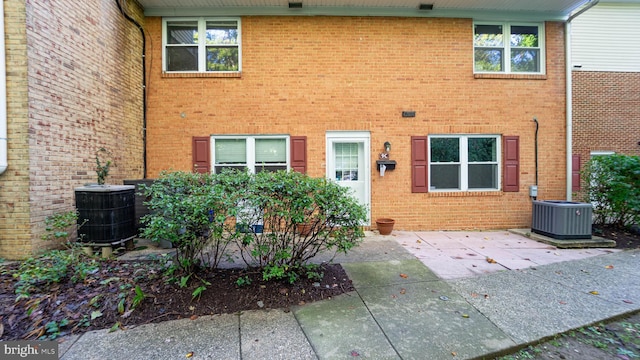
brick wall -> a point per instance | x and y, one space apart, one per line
307 75
75 85
606 113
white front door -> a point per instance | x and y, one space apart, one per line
348 163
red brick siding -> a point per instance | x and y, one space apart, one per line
75 80
307 75
606 113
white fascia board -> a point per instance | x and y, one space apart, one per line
357 11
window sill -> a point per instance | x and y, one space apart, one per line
510 76
169 75
464 193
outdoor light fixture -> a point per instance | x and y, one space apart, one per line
295 5
387 146
425 7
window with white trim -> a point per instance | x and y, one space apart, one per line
201 44
256 153
508 48
464 162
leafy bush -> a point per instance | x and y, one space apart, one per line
280 201
191 211
258 212
613 187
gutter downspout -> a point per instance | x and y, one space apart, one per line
569 93
3 96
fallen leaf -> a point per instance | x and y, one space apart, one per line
594 292
355 353
627 301
394 296
403 291
474 295
563 302
189 354
193 317
95 314
115 327
466 316
1 328
609 267
126 314
192 307
301 303
453 353
490 260
418 241
486 296
404 276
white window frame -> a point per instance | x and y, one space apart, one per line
464 161
202 47
506 47
250 142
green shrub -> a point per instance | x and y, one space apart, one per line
201 214
613 187
191 211
282 200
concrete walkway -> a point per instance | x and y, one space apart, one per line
419 295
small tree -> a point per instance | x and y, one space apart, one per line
613 187
102 166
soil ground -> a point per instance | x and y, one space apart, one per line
106 299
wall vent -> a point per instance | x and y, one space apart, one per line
562 219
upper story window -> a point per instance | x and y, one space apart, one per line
201 45
256 153
508 48
464 162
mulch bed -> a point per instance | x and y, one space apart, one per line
96 303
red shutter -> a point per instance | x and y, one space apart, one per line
299 154
419 164
201 154
511 172
575 172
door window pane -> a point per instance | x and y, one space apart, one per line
346 160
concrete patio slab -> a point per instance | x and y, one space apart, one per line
213 337
343 328
508 300
273 334
382 273
442 323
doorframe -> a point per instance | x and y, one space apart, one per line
364 137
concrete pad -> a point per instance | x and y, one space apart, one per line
382 273
343 328
65 343
272 334
529 308
594 242
431 321
610 282
212 337
626 261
